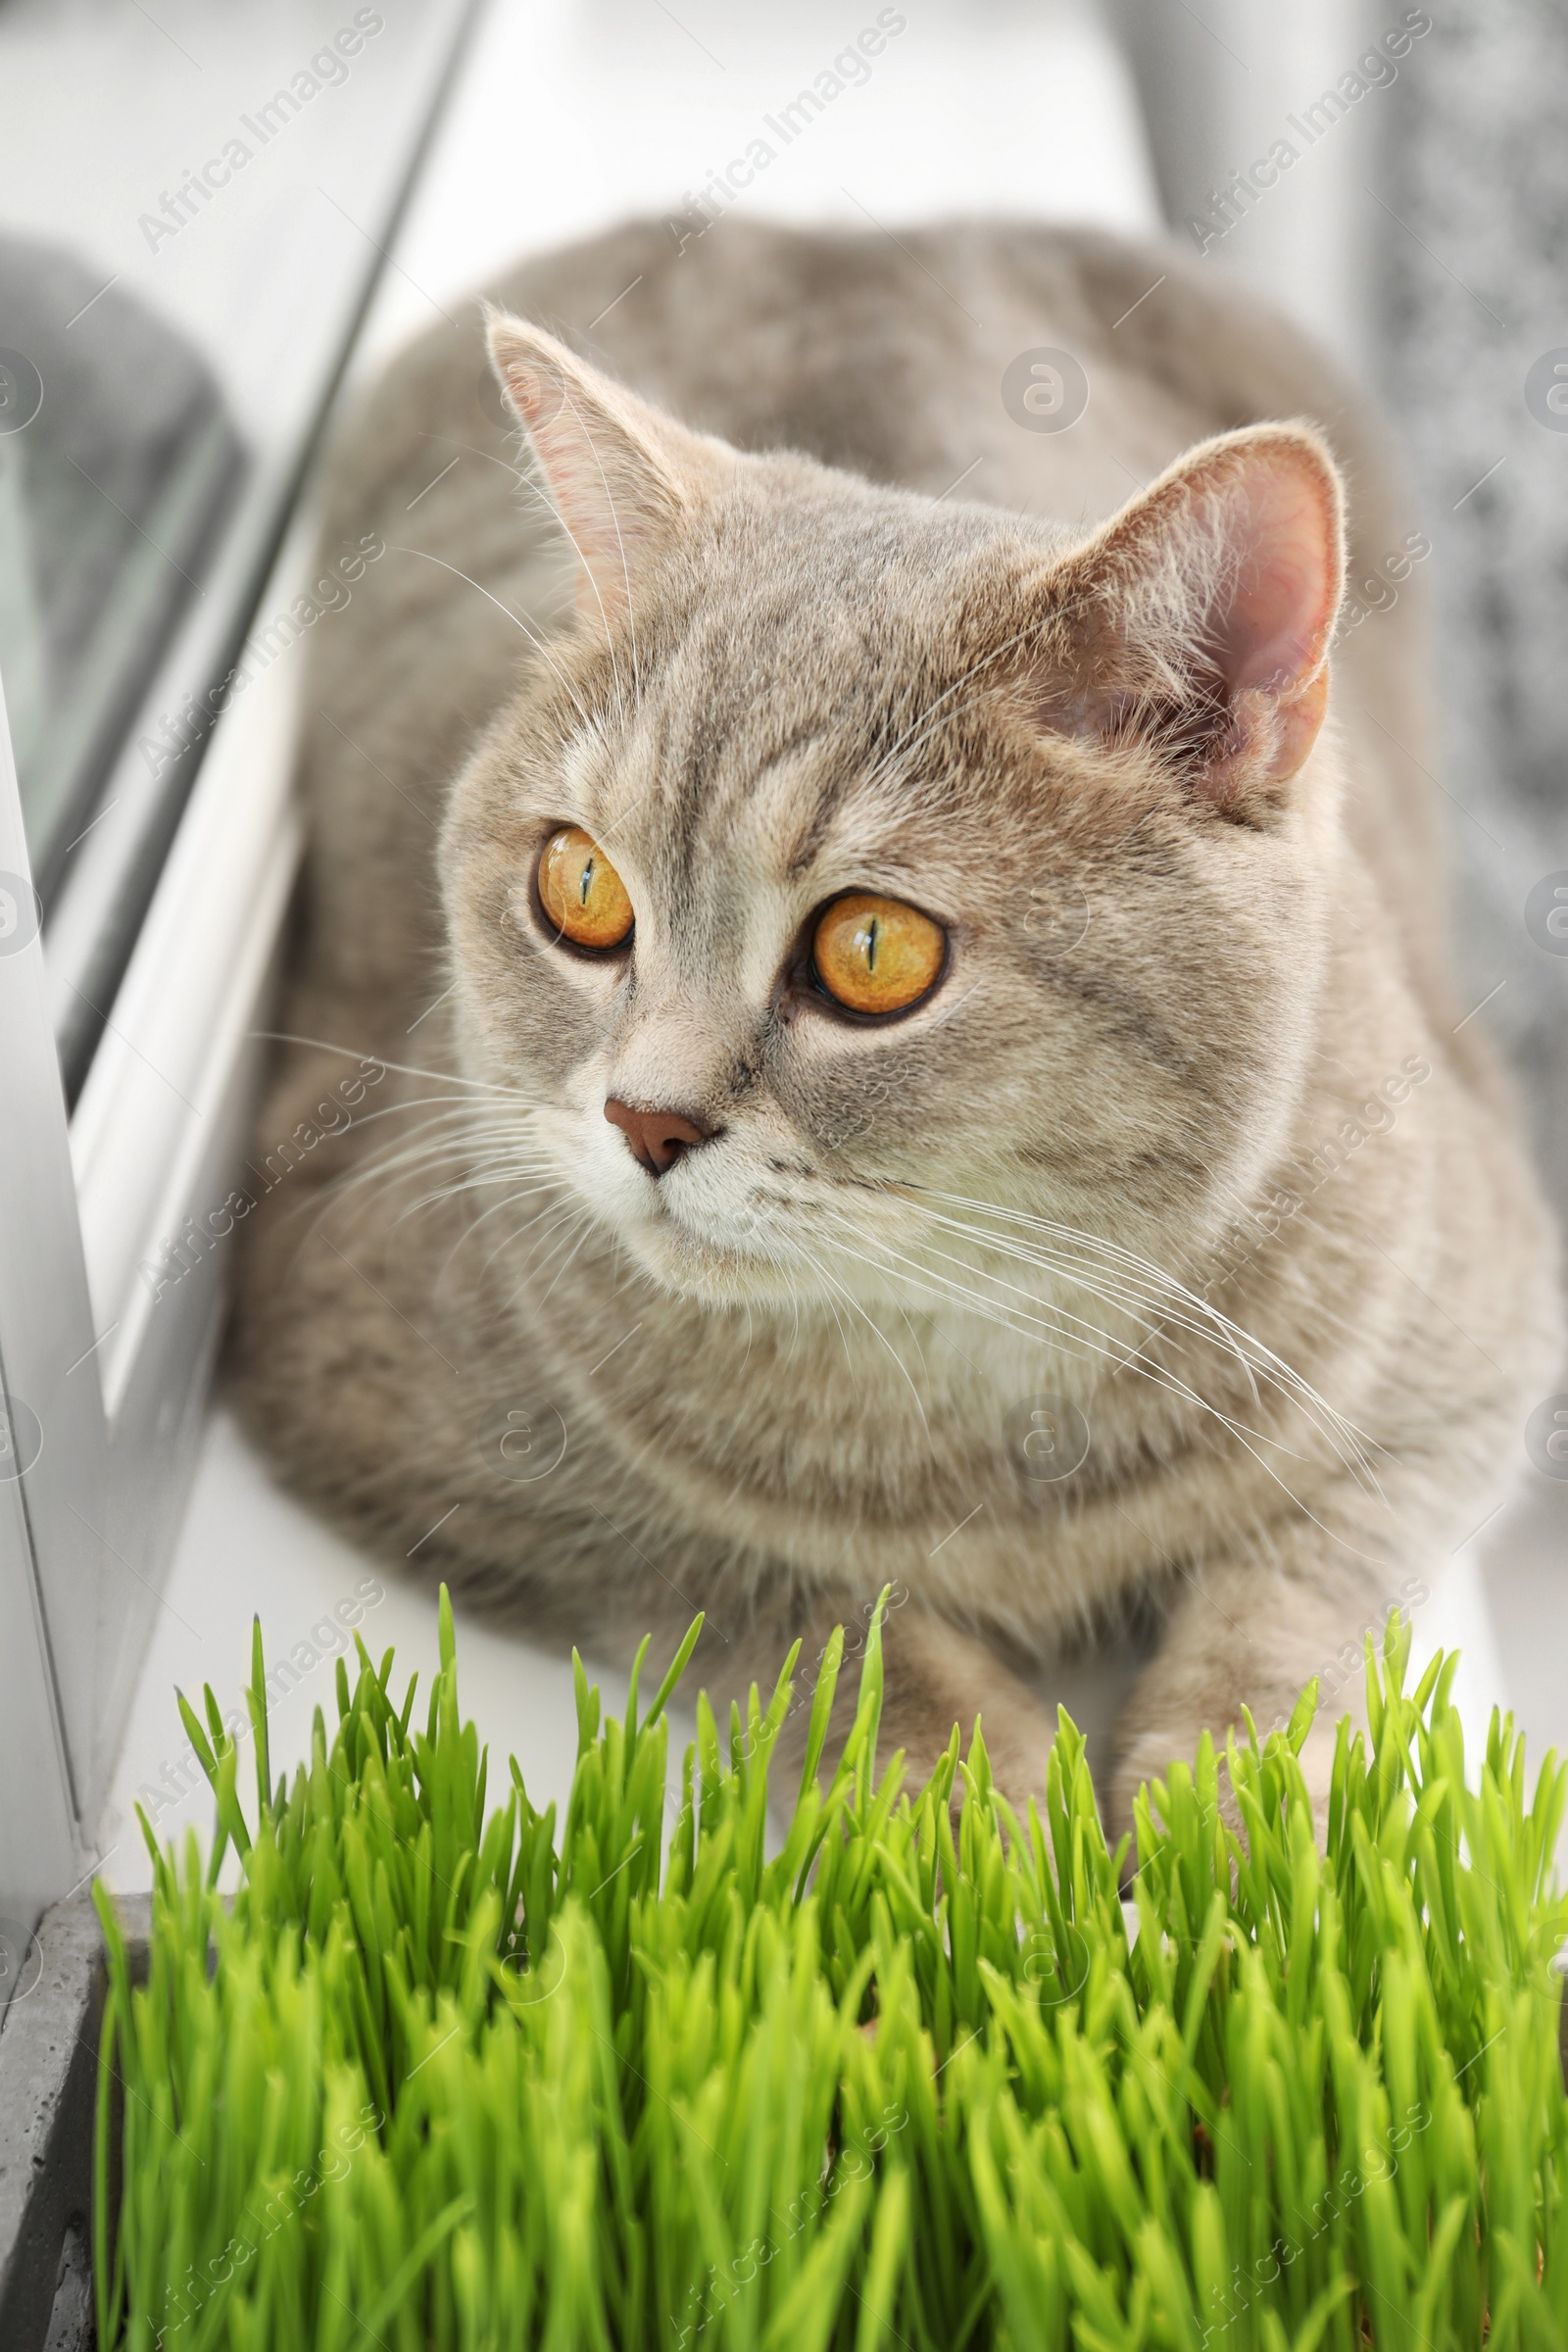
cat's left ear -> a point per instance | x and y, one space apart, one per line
623 476
1195 624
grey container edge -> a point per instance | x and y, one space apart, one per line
48 2095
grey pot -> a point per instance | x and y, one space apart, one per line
48 2089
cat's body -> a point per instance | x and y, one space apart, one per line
1164 1013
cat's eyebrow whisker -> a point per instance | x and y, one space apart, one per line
626 568
587 571
907 741
539 644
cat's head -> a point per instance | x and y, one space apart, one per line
854 854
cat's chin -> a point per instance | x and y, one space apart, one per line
715 1273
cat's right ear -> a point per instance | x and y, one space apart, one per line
623 476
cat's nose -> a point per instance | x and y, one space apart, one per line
658 1138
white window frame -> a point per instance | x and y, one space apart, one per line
43 1302
111 1356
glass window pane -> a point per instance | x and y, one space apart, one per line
194 203
113 484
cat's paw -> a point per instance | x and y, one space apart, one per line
1017 1745
1149 1754
935 1677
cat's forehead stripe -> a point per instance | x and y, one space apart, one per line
833 789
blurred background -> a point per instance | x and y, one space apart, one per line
217 217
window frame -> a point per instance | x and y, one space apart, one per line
110 1351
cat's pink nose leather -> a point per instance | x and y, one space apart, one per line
658 1138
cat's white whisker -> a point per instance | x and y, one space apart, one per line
551 1185
1169 1321
565 1221
326 1198
1155 1321
449 1138
1086 1344
1192 1312
587 1224
405 1069
1084 1340
872 1325
503 1175
1121 1350
1054 1334
518 477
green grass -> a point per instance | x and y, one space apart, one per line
653 2079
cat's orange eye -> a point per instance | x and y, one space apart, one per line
580 891
877 954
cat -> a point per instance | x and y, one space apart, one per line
898 976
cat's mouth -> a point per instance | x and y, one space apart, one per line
793 1240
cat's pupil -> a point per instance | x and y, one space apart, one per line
871 930
586 884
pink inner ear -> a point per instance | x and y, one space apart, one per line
1198 619
1282 524
535 396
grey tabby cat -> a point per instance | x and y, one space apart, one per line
907 1016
